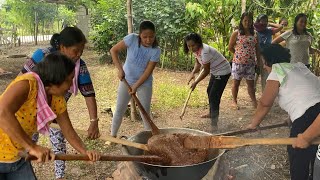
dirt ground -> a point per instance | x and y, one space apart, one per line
247 163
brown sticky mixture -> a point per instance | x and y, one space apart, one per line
171 148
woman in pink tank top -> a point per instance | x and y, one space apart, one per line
244 44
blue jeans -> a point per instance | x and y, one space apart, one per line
20 170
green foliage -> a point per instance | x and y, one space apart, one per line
110 24
23 14
66 15
214 20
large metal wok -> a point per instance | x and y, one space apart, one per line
159 172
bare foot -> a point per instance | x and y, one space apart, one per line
235 105
205 115
214 129
255 104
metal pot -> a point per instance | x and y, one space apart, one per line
158 172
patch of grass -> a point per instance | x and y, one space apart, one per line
106 83
168 95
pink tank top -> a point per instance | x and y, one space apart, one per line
245 49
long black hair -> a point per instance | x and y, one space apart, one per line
195 37
260 17
296 19
68 37
275 53
148 25
54 68
251 28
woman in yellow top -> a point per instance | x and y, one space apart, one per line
18 116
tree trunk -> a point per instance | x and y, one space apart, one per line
35 28
133 108
164 53
129 16
243 6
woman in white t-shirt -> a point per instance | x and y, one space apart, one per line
298 41
213 62
298 91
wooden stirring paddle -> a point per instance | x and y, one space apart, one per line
154 129
230 142
83 157
109 138
243 131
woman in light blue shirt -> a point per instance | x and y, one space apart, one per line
143 54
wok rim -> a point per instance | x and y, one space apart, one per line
190 165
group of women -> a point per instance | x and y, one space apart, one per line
37 97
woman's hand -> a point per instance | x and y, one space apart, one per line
193 85
42 153
192 77
93 130
301 142
93 155
133 89
121 74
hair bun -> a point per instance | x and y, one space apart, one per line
55 40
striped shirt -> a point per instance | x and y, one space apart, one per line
219 65
84 80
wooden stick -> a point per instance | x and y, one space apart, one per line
229 142
109 138
233 133
185 105
187 100
84 157
154 129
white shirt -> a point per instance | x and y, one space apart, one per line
298 45
219 65
299 91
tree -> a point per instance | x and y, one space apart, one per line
243 6
130 30
30 15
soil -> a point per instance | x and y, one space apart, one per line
246 163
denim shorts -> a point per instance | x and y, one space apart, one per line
20 170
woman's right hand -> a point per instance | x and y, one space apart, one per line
93 155
42 153
191 78
121 74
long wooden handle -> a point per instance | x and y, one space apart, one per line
83 157
187 100
233 133
154 129
229 142
109 138
185 105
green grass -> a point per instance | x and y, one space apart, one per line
169 95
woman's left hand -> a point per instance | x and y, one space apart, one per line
93 155
300 142
133 89
193 85
93 130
